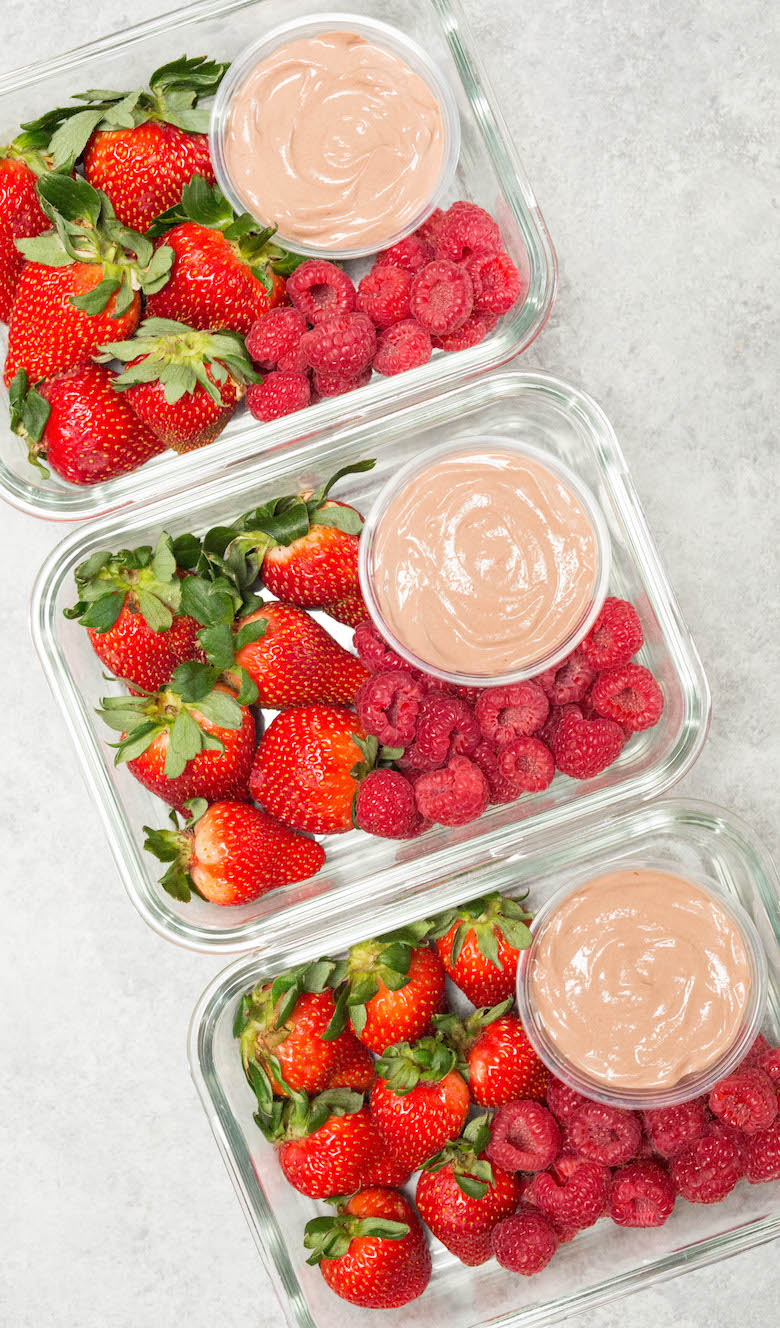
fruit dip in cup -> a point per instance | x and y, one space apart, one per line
485 562
642 987
339 131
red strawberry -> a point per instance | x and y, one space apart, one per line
295 662
302 771
11 264
185 385
282 1028
479 945
419 1101
391 990
233 854
20 212
495 1056
373 1253
78 424
350 609
461 1196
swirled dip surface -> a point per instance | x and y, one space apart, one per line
640 978
336 140
485 563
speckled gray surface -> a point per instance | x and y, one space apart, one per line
649 134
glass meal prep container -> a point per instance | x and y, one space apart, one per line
602 1263
488 172
543 411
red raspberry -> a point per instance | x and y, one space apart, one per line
274 340
504 713
343 345
466 232
708 1169
583 748
615 636
452 796
525 1242
387 705
497 283
333 385
404 346
574 1194
374 652
630 696
410 254
605 1134
442 297
501 790
445 727
384 293
525 1137
769 1062
746 1100
762 1155
385 805
590 713
641 1195
671 1129
549 728
562 1100
474 330
527 765
429 229
756 1051
567 683
320 290
279 394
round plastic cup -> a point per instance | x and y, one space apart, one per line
690 1086
407 476
381 34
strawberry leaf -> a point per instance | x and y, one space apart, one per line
156 614
342 518
184 743
102 615
137 742
222 710
241 1017
193 681
186 551
217 642
95 300
248 692
251 632
45 249
473 1189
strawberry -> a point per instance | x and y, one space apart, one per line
495 1056
139 147
303 768
79 425
479 945
373 1253
185 385
461 1195
82 283
350 609
419 1101
129 603
181 744
232 854
226 272
390 990
21 216
294 662
11 264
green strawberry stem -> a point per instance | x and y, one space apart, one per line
473 1173
404 1066
29 416
145 575
175 847
386 959
461 1034
484 917
331 1237
178 356
297 1116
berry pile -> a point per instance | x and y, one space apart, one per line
364 1074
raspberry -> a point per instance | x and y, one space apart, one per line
525 1137
562 1100
279 394
547 732
466 232
474 330
526 765
387 705
442 297
504 713
525 1242
605 1134
769 1062
756 1051
333 385
746 1100
641 1195
574 1194
320 290
385 805
445 727
762 1159
590 712
708 1169
497 283
343 345
429 229
583 748
452 796
374 652
410 254
615 636
501 790
274 340
630 696
671 1129
404 346
384 293
567 683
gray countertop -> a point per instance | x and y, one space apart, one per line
648 133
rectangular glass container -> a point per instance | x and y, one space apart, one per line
600 1264
533 407
489 171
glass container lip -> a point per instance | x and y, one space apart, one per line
486 442
384 34
690 1086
